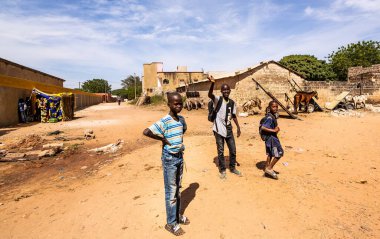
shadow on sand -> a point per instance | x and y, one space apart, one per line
226 159
188 195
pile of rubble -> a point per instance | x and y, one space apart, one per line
33 146
373 108
48 150
343 112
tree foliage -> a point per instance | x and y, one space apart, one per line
129 86
96 86
123 93
364 53
309 67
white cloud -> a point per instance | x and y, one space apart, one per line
111 39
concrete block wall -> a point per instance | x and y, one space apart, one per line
328 90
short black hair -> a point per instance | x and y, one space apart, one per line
271 102
171 96
223 85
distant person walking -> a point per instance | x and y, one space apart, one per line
224 110
22 109
118 100
170 130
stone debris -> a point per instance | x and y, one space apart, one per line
3 152
53 145
9 157
49 153
110 148
373 108
22 196
89 134
343 112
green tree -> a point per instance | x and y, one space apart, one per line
121 92
364 53
309 67
96 86
129 85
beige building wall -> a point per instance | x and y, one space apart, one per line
157 81
150 76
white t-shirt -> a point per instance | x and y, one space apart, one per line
222 124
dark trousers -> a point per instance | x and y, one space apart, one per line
220 147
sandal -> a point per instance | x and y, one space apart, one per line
271 173
184 220
175 229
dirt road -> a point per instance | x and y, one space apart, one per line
327 187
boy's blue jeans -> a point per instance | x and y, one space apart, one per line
173 169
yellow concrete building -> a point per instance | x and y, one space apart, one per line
157 81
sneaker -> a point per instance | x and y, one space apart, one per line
235 171
223 175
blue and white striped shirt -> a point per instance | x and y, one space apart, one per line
172 130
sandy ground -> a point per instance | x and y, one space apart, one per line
327 187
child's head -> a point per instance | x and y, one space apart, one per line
225 90
272 107
175 102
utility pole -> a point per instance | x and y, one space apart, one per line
134 76
105 92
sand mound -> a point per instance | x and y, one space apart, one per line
31 140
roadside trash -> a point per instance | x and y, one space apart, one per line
286 164
89 134
362 181
243 114
55 132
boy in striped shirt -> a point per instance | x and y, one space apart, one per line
170 130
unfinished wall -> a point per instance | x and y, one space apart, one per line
271 76
328 90
12 69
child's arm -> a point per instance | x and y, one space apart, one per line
237 125
275 130
210 94
183 122
147 132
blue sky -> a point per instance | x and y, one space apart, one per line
79 40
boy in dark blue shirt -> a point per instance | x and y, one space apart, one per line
269 130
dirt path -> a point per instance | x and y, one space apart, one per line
328 186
